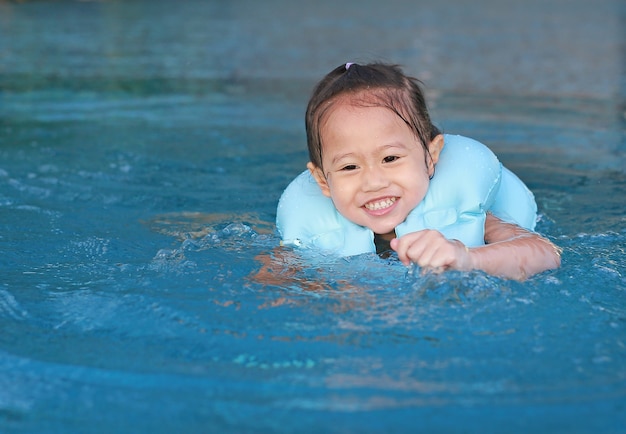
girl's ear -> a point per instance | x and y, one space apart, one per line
318 174
434 150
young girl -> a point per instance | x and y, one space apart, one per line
381 176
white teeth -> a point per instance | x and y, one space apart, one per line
373 206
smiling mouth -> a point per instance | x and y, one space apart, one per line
380 204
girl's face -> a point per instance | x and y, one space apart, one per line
374 168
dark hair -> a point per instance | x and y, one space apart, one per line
371 85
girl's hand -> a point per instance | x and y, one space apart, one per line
509 251
432 251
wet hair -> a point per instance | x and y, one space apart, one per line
371 85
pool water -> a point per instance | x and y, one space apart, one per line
143 148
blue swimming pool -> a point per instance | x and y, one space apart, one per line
143 148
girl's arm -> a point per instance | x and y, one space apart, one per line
510 252
514 252
283 267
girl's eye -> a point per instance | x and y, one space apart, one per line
390 159
349 167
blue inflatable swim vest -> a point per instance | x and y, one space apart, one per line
469 181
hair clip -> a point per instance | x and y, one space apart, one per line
348 65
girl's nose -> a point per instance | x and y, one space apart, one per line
374 178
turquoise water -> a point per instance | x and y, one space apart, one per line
142 153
